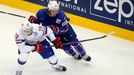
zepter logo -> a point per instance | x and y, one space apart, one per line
117 10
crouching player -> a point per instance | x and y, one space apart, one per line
59 23
32 38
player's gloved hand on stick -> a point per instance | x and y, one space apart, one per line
57 43
32 19
38 48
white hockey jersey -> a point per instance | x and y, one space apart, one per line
39 34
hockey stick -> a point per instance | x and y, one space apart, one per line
101 37
12 14
96 38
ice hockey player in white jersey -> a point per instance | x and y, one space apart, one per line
32 38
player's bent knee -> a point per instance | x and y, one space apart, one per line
22 58
53 60
21 62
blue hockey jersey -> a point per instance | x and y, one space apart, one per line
59 20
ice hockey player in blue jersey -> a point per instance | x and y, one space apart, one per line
59 23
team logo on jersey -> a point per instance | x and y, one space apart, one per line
35 33
58 21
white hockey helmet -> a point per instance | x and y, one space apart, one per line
27 28
53 5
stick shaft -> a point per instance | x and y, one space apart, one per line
12 14
86 40
97 38
92 39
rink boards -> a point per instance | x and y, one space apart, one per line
76 20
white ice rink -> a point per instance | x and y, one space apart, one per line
110 56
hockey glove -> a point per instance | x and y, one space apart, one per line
32 19
57 43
